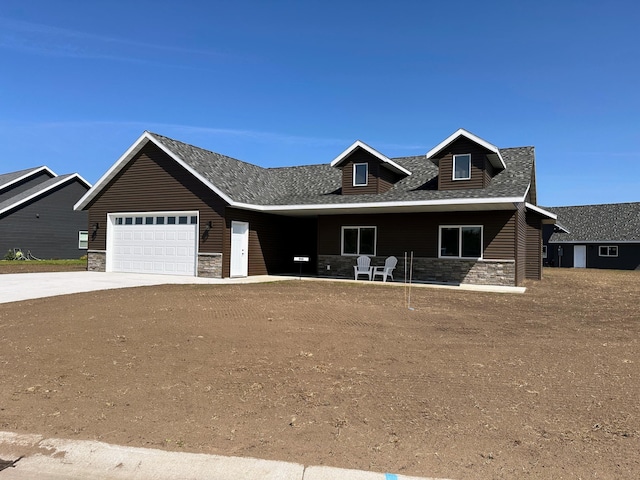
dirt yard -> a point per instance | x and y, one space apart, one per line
467 385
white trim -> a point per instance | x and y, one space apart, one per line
453 170
148 137
383 158
31 173
358 253
461 132
460 227
541 211
366 176
607 247
80 232
128 156
580 242
40 193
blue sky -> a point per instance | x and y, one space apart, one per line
283 83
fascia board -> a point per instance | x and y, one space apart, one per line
541 211
128 156
383 158
31 173
39 193
461 132
379 205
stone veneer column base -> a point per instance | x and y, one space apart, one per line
96 261
436 270
210 265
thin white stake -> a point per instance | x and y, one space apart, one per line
405 279
410 280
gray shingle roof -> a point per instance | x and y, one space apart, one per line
595 223
33 191
320 184
6 178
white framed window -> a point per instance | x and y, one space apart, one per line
460 241
608 250
83 239
359 240
360 174
462 167
544 251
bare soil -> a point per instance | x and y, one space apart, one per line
466 385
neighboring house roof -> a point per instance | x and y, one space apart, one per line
612 222
39 190
316 188
8 179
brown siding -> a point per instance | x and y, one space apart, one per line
489 172
379 180
533 269
478 158
154 182
418 232
273 242
521 245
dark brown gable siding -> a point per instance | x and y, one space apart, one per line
478 157
273 242
534 247
379 180
489 172
153 181
418 232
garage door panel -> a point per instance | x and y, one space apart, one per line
169 249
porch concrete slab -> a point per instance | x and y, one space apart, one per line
58 459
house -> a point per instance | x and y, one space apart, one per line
594 236
466 210
37 215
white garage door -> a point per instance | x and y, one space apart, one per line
163 243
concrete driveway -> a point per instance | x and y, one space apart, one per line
25 286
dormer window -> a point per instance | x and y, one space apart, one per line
462 167
360 174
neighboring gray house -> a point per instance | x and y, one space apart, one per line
594 236
37 216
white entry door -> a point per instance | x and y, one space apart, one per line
580 256
239 249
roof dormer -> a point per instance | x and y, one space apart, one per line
365 170
465 161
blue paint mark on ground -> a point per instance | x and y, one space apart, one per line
391 476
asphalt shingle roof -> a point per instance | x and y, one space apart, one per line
33 191
6 178
594 223
320 184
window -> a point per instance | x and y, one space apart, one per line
358 240
544 251
171 220
461 241
83 239
462 167
159 220
182 220
360 174
608 250
128 221
148 220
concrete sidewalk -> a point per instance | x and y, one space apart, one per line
57 459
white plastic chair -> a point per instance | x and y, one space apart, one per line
386 271
363 267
